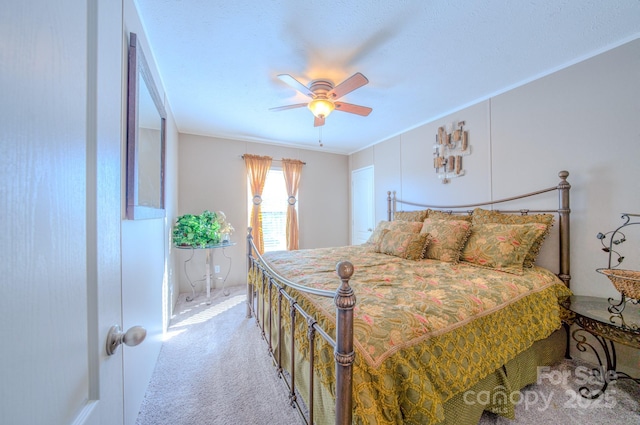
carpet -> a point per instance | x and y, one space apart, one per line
213 369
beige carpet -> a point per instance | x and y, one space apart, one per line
214 369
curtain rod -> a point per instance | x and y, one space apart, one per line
274 159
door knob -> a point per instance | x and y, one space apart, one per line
134 336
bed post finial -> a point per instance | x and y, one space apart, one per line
345 301
249 284
564 212
563 175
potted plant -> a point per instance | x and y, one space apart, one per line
197 230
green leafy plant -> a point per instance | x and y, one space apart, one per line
197 230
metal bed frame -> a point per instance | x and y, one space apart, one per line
345 301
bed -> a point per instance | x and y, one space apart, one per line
441 315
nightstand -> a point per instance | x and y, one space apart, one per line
590 314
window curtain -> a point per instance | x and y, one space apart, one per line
257 169
291 169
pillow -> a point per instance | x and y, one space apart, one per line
501 246
447 238
447 215
406 245
481 216
410 215
401 226
375 246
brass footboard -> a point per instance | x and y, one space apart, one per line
274 286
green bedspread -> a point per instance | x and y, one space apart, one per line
423 330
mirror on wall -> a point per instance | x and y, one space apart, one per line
146 128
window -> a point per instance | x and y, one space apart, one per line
274 211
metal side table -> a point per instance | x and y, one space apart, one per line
591 315
210 250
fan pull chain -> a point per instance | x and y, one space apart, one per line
320 136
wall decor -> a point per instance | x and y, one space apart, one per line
451 145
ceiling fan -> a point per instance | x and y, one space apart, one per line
324 95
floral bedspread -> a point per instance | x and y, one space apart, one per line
424 330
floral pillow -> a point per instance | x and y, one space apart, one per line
375 246
414 216
501 246
406 245
400 226
481 216
447 216
447 238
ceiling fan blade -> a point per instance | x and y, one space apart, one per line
282 108
317 122
357 80
286 78
353 109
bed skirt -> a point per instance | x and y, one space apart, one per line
466 408
494 393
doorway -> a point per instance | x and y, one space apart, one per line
362 205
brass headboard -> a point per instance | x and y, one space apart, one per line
563 211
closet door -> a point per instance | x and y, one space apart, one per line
362 205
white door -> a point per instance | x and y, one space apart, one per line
362 205
60 135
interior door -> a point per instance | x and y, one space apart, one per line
362 205
60 132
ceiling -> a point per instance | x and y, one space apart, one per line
219 60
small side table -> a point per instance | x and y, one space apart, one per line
209 249
591 315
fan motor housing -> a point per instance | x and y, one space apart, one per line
320 87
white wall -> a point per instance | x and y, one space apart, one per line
583 119
148 285
213 177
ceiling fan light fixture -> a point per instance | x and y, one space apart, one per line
321 108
